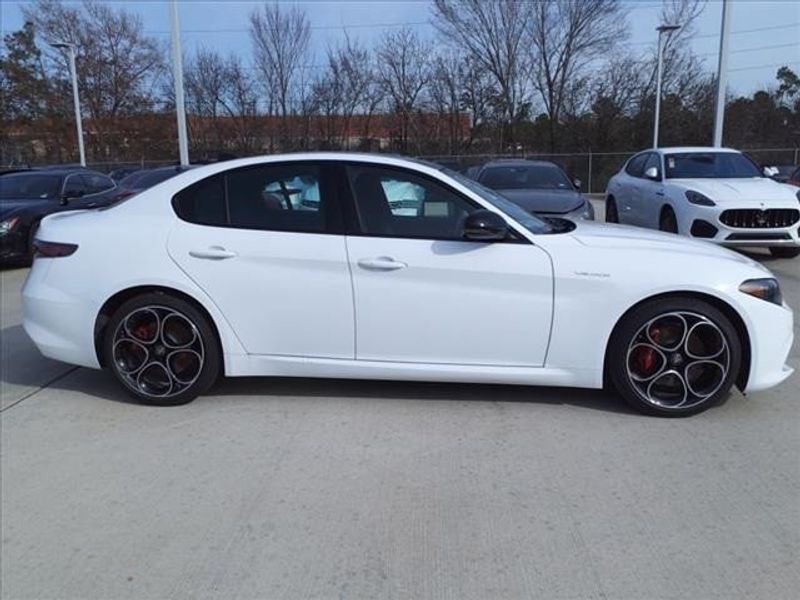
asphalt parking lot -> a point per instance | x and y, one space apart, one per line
347 489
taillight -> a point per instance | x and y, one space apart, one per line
53 249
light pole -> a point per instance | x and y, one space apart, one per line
75 99
722 72
661 29
177 73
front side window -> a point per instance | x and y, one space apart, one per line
74 186
710 165
96 183
635 166
398 203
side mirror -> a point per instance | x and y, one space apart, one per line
577 183
652 173
485 226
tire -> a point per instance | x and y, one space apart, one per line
674 357
162 350
612 214
784 252
668 222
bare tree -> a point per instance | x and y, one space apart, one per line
566 36
403 71
491 34
280 44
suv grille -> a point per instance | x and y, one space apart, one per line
753 218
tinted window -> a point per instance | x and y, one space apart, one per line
203 202
281 197
96 183
74 185
150 178
635 166
710 165
525 177
29 186
398 203
652 161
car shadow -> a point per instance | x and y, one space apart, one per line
101 385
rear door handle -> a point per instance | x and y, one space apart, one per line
381 263
212 253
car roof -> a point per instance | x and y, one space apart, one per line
519 162
681 149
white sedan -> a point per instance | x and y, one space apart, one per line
715 194
217 272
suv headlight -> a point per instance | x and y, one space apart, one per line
698 198
767 289
8 225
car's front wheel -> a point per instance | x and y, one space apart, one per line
162 349
784 252
674 357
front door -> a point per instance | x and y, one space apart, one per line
423 294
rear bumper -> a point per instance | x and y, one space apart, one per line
61 325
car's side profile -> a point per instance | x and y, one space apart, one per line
308 265
714 194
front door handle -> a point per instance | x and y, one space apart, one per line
381 263
212 253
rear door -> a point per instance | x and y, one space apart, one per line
266 244
424 294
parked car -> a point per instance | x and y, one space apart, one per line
141 180
27 196
794 178
122 172
230 278
715 194
780 173
539 187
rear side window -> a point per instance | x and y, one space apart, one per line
97 183
635 166
279 198
203 202
269 197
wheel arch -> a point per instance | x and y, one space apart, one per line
122 296
729 311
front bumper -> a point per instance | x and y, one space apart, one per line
13 246
771 331
700 219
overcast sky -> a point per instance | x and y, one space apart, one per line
766 33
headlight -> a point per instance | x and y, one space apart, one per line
8 225
767 289
698 198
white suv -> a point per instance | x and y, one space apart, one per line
717 194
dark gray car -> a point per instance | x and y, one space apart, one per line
539 187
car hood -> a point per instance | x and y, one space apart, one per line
545 201
631 239
11 207
756 191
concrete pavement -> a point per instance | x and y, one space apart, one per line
344 489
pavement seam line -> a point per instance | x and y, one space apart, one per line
40 388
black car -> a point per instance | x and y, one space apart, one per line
27 196
539 187
141 180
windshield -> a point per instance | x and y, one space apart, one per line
526 177
710 165
29 186
530 222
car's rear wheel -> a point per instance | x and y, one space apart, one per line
674 357
612 215
162 349
668 222
784 252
